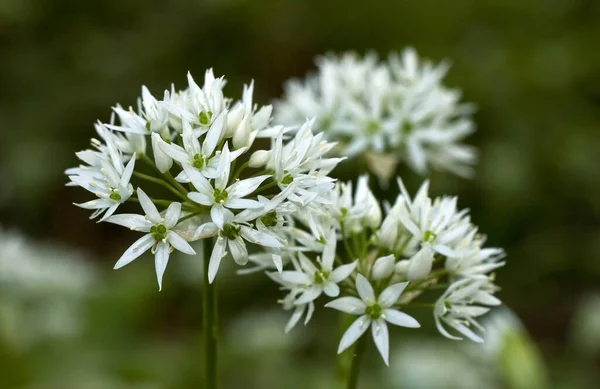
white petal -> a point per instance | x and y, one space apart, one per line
217 214
162 160
126 176
138 248
381 338
235 203
201 198
309 313
238 251
444 250
467 332
331 289
161 259
260 238
390 295
199 181
354 332
245 187
340 273
215 258
149 207
400 318
206 230
174 151
351 305
223 169
296 277
213 136
179 243
329 250
172 215
131 221
295 318
365 290
309 295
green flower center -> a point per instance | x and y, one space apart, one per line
321 277
374 311
231 231
159 232
220 196
372 127
406 128
115 196
204 118
148 126
287 179
429 236
270 219
198 161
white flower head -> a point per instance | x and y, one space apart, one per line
159 234
374 312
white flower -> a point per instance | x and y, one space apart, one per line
455 307
202 158
398 107
200 106
315 280
289 302
231 231
356 212
375 312
436 224
160 236
106 176
223 196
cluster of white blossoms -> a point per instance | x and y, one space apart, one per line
387 111
272 202
188 144
376 267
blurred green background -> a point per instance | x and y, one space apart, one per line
531 66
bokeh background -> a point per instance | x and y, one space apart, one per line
68 321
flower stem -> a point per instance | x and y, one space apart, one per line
162 183
359 350
210 321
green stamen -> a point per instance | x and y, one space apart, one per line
374 311
220 196
159 232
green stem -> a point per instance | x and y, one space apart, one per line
160 182
168 175
359 350
210 319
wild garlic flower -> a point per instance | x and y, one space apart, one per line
374 312
389 111
159 234
223 186
376 263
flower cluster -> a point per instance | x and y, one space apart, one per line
376 267
388 111
188 144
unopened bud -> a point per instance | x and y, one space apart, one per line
383 267
241 138
259 158
401 266
420 264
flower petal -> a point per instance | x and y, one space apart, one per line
245 187
381 338
351 305
309 295
161 258
400 318
390 295
239 252
215 258
131 221
340 273
179 243
260 238
354 332
172 215
365 290
138 248
149 207
331 289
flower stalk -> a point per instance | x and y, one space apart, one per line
210 321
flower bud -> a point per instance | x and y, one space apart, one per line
241 137
162 160
259 158
383 267
420 264
388 232
234 118
401 266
